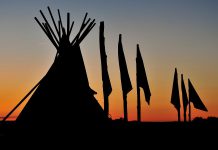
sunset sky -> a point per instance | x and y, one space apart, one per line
170 33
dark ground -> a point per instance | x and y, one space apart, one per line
198 133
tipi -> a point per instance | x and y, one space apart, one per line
63 97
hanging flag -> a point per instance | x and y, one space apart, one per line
105 77
175 92
184 94
194 98
141 76
125 80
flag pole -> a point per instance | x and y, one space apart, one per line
184 98
106 104
189 108
124 75
184 115
125 107
138 105
138 96
107 89
175 100
179 117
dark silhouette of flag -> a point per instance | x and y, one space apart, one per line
184 97
105 77
125 80
175 92
194 98
107 89
141 76
175 100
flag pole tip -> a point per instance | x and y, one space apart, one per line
120 37
137 46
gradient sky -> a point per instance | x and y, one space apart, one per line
171 33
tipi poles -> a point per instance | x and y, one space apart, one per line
6 117
25 97
47 33
56 28
49 27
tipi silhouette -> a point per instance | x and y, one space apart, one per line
63 98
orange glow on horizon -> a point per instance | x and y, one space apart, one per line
160 108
